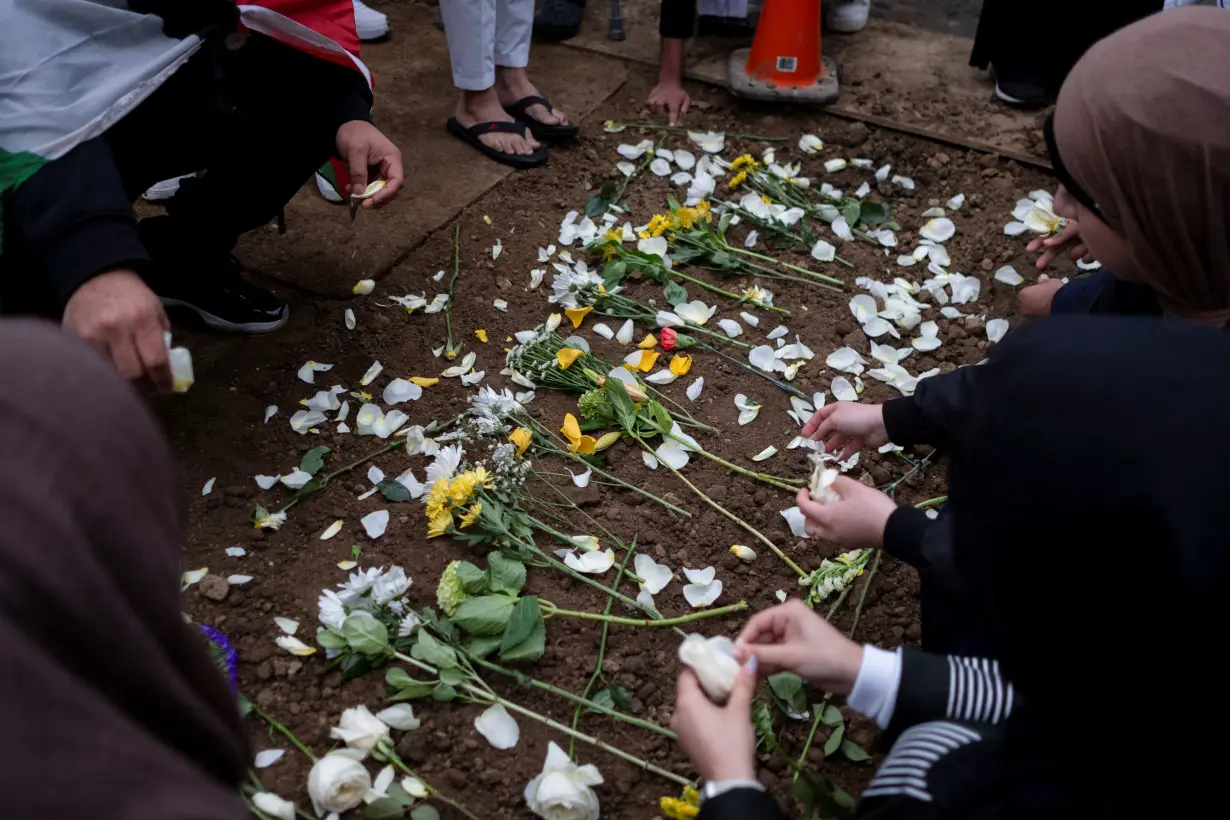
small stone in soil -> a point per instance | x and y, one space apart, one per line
214 587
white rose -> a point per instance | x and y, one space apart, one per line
562 791
338 782
274 806
714 663
822 490
360 729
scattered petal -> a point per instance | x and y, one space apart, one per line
268 757
956 202
581 480
333 530
375 523
810 144
498 727
1008 275
996 328
209 487
794 517
842 389
702 595
654 576
624 336
823 251
192 576
236 552
745 554
766 453
295 646
400 717
938 230
309 370
270 412
288 625
693 391
603 330
349 319
266 482
363 287
650 459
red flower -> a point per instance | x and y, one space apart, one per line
668 337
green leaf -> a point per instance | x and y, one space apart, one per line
313 486
481 647
245 706
354 666
851 210
621 403
504 575
416 690
834 742
393 490
428 649
331 640
385 808
443 693
613 697
613 273
790 694
472 578
874 213
598 203
313 460
407 688
525 638
722 259
396 792
365 634
661 417
675 293
853 751
453 677
355 549
832 716
485 615
425 812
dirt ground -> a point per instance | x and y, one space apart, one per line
217 430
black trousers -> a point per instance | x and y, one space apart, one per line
255 116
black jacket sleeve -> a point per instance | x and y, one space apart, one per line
947 687
677 19
741 804
75 219
934 411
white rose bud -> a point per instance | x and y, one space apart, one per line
360 729
743 553
274 806
338 782
822 490
563 790
713 661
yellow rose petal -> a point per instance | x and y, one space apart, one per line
567 355
648 359
577 315
648 343
425 381
522 437
481 334
681 364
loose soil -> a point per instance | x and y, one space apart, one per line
217 430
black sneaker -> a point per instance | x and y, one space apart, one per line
226 301
1021 85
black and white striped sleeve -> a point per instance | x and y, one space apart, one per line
908 687
935 687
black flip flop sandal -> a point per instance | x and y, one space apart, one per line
471 135
542 131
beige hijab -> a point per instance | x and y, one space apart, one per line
1143 125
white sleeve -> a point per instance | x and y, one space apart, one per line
875 690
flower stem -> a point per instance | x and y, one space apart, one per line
606 628
767 479
727 293
551 560
398 763
930 502
727 513
324 481
551 609
265 716
489 697
794 391
787 265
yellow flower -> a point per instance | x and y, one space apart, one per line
745 161
437 498
365 396
657 226
461 488
648 358
482 478
613 235
481 334
681 364
471 515
702 211
577 315
607 440
577 442
439 523
765 200
567 355
522 437
648 343
685 807
425 381
738 179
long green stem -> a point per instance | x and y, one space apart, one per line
606 629
728 514
755 371
398 763
265 716
715 289
550 609
766 478
491 698
324 481
787 265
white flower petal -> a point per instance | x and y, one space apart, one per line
702 595
295 646
1008 275
624 336
654 576
288 625
375 523
272 805
810 144
400 390
400 717
603 330
940 229
1015 228
650 460
843 390
956 202
693 391
332 530
662 377
672 454
236 552
763 357
498 727
996 328
266 482
794 517
766 453
730 327
823 251
268 757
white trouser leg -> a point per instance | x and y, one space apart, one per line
514 25
470 27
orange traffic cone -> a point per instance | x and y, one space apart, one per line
784 62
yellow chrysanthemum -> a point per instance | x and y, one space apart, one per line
481 334
702 211
437 498
738 179
439 524
745 161
482 478
686 807
657 226
471 515
461 488
522 437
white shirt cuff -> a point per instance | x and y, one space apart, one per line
875 690
713 788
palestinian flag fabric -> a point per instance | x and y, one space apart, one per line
70 69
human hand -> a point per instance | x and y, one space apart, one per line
719 740
1036 299
364 147
793 638
118 314
1067 238
847 427
668 97
857 520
